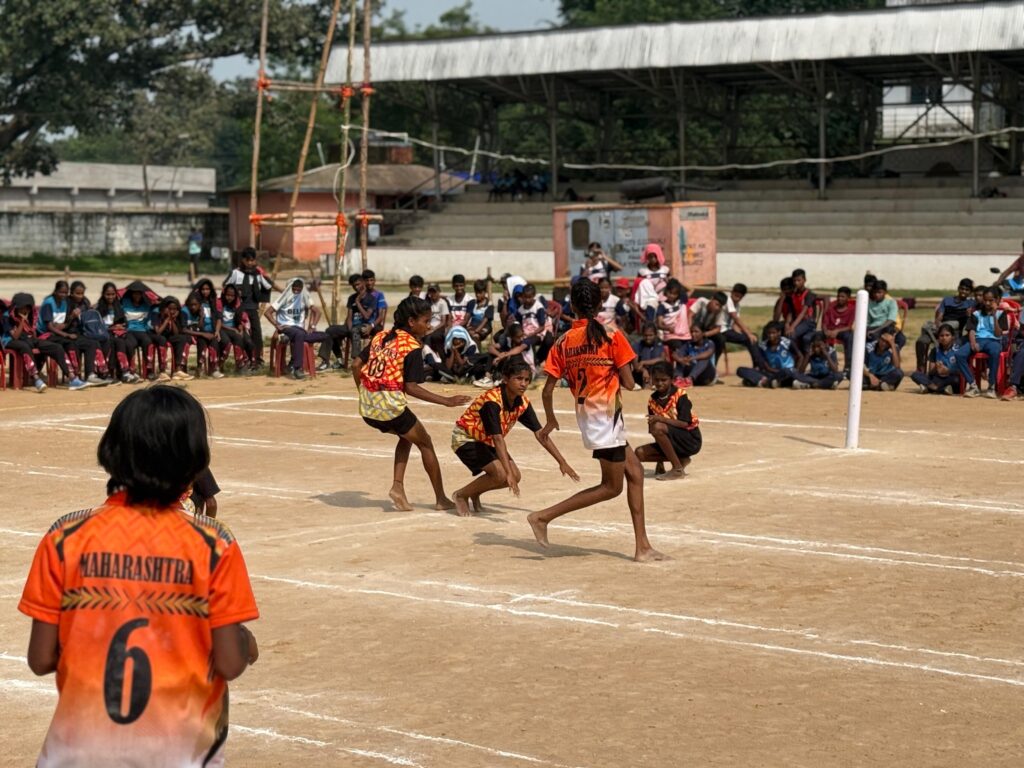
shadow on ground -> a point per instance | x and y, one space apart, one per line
489 539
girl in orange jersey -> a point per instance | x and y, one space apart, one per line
479 437
388 369
594 364
672 423
138 605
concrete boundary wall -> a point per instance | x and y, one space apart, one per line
918 271
78 233
397 265
939 272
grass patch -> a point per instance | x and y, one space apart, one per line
135 263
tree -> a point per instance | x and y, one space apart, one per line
73 64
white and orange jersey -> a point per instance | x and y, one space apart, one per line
593 375
135 593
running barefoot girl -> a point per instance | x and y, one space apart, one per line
672 423
594 364
479 437
387 370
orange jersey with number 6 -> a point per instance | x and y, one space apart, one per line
135 593
593 375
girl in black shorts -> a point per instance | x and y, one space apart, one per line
389 368
479 436
672 423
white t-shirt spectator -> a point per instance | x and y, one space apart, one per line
438 312
730 310
700 311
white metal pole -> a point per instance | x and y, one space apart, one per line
476 150
860 330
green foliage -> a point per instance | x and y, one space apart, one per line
125 77
141 264
76 64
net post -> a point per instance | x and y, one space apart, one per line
860 330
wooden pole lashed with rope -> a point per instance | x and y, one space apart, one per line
254 181
347 93
364 145
310 123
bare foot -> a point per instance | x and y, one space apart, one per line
397 496
477 507
540 529
461 507
649 555
672 474
444 503
659 468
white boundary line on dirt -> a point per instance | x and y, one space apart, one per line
799 547
393 759
417 736
270 733
245 698
633 416
804 634
558 599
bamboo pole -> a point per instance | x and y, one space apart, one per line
307 139
364 144
255 172
340 250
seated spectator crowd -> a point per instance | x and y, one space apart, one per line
131 333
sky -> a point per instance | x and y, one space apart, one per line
499 14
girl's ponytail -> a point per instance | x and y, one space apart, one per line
586 300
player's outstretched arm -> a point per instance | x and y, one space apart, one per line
422 393
549 445
234 649
43 648
548 398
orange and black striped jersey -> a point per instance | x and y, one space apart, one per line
135 593
387 367
492 414
674 405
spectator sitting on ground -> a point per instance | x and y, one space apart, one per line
955 310
710 316
943 374
695 361
819 368
775 366
882 364
649 350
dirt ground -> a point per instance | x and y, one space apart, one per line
821 607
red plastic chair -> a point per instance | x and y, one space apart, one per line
279 352
978 361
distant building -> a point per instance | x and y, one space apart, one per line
389 187
111 187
